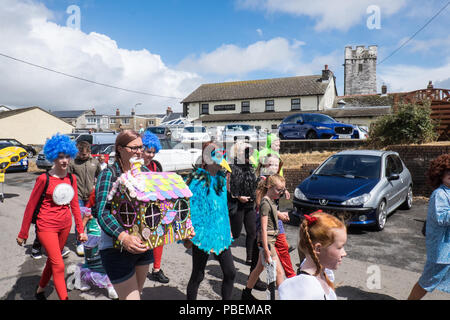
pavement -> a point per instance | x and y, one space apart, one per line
379 265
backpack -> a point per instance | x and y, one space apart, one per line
41 199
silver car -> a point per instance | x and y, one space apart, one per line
363 186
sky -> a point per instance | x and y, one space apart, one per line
162 50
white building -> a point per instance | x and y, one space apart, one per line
262 103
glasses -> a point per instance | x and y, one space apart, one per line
135 148
281 192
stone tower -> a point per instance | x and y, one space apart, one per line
360 70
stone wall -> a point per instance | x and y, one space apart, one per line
360 81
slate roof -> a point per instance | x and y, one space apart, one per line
268 88
69 113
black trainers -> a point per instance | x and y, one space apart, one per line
159 276
260 285
36 253
247 295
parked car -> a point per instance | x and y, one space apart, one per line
104 149
240 132
13 158
30 150
314 126
161 132
361 132
364 186
173 157
195 134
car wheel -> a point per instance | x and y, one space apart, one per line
409 200
311 135
381 216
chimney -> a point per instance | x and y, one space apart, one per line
383 89
93 111
132 112
430 85
117 112
326 74
169 111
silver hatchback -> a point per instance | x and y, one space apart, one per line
364 186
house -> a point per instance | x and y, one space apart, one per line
31 125
119 122
77 118
263 103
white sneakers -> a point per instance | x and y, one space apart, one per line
80 250
112 294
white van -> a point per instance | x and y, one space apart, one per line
98 138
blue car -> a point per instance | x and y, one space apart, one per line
361 186
314 126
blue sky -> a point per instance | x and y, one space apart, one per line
170 47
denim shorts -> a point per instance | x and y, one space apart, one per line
120 266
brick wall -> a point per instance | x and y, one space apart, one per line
295 176
417 159
301 146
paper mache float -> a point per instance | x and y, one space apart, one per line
151 205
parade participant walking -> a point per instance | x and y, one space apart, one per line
322 240
209 215
152 146
269 190
436 273
54 218
86 169
126 268
242 187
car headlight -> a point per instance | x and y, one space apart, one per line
299 195
357 200
322 128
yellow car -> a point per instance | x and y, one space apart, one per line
11 155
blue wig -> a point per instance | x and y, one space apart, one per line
151 141
59 144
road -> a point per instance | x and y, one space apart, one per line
379 265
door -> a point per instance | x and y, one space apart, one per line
393 193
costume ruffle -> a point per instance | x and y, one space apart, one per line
209 211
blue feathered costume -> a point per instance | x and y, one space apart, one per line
209 211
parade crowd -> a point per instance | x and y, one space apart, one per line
230 191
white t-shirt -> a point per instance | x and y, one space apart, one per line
306 287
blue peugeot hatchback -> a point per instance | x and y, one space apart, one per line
361 186
314 126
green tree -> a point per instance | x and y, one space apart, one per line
411 124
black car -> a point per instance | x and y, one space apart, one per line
31 151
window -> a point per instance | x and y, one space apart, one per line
245 107
92 120
391 167
225 107
295 104
270 105
126 120
205 108
112 120
274 126
398 165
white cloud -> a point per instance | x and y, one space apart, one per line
278 55
31 36
405 78
260 32
330 14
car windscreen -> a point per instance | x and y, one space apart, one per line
194 129
157 130
99 148
167 144
5 145
11 141
239 127
351 166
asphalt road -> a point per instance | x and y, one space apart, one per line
379 265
